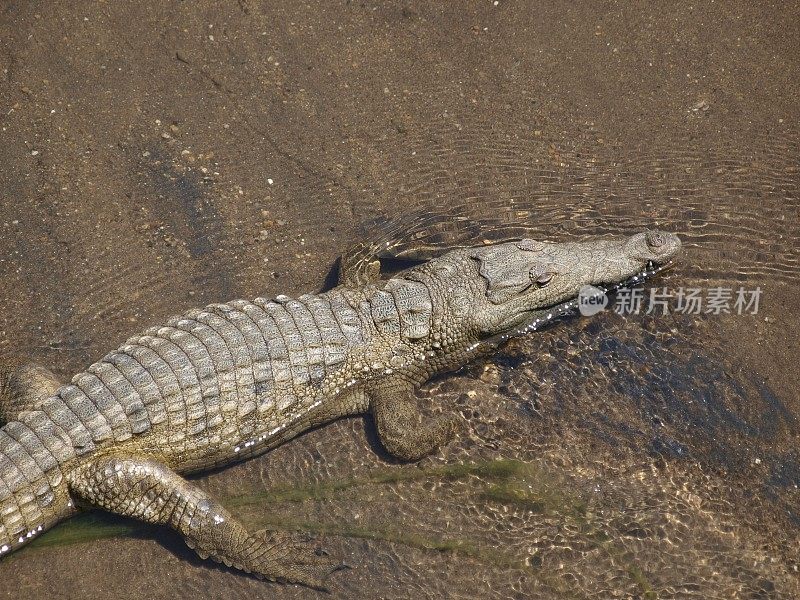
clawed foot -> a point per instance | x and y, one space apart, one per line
286 560
124 485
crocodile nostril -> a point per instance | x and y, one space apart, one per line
655 239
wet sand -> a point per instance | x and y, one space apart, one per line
160 156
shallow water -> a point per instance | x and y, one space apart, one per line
149 168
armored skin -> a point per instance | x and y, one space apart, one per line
230 381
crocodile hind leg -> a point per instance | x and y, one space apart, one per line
401 426
24 386
149 491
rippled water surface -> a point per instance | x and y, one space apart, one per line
159 156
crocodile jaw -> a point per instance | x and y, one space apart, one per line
540 319
502 290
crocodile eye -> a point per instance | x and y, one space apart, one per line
545 278
655 239
541 279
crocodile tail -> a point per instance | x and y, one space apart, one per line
33 495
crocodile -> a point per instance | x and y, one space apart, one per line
232 380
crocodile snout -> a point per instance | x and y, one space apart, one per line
657 246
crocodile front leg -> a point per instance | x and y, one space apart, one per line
147 490
356 269
401 426
24 386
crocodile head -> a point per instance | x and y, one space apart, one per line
509 288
